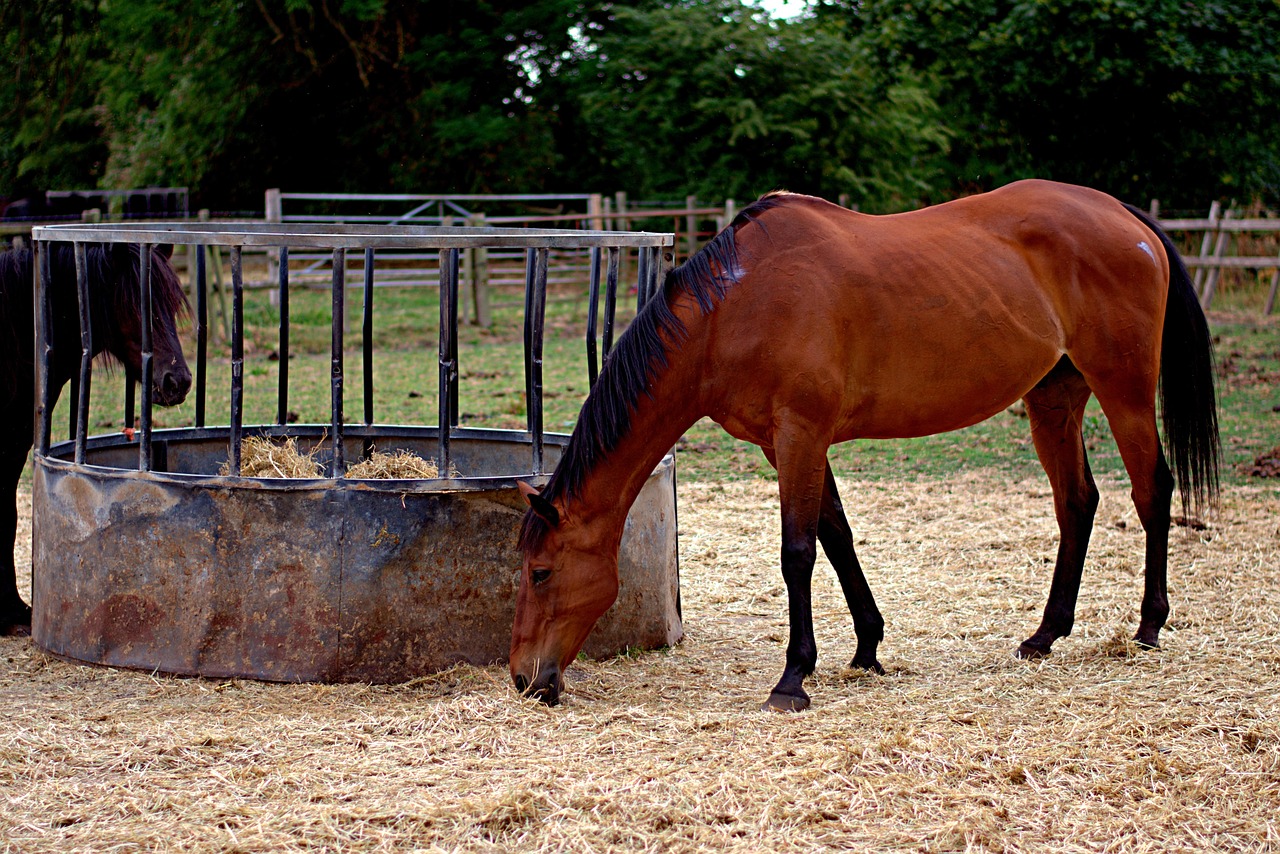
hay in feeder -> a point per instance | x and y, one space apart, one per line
263 457
397 465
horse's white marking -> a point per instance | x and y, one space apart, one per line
1142 244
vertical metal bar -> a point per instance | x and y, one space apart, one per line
237 362
81 409
593 308
44 406
448 349
144 287
539 315
657 272
610 301
367 335
642 278
454 279
530 261
336 375
202 329
282 392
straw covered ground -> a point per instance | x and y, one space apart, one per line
957 747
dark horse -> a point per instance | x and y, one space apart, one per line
116 325
804 324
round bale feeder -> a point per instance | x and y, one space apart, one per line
151 549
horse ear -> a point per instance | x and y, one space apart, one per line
539 505
165 250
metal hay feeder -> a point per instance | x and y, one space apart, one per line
145 557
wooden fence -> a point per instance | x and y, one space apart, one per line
488 277
1227 242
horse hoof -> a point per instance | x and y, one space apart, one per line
1029 651
873 666
785 703
16 622
17 629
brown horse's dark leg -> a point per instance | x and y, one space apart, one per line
837 542
800 486
1055 408
1152 494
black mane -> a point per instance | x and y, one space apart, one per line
113 272
638 358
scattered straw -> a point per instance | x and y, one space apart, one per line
958 747
397 465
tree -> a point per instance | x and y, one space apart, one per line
50 127
1140 98
711 97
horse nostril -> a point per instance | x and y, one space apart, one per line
522 684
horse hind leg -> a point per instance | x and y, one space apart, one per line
1138 440
1055 408
837 541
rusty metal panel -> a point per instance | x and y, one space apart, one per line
328 581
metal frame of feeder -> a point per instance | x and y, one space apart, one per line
605 251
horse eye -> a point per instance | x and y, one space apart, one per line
540 576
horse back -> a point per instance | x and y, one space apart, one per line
917 323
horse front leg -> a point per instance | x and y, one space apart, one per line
800 485
15 615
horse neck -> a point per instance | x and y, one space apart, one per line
658 420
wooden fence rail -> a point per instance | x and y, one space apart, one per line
1220 249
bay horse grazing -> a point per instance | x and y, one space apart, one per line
804 324
116 326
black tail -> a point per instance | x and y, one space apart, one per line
1188 406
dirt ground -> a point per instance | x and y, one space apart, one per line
959 746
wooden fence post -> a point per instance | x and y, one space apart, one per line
595 212
1214 273
1271 297
273 211
219 289
479 282
690 226
730 211
1215 214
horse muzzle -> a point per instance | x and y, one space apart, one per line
171 387
545 686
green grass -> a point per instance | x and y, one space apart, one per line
492 390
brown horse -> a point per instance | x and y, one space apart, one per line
804 324
115 317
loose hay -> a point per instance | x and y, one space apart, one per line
274 458
959 747
397 465
263 457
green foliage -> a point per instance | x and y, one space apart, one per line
50 134
1141 98
894 104
711 97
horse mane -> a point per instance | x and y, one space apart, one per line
113 272
637 359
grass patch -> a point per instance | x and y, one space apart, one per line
406 371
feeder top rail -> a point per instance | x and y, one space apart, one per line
333 236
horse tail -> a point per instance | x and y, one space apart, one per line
1188 405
